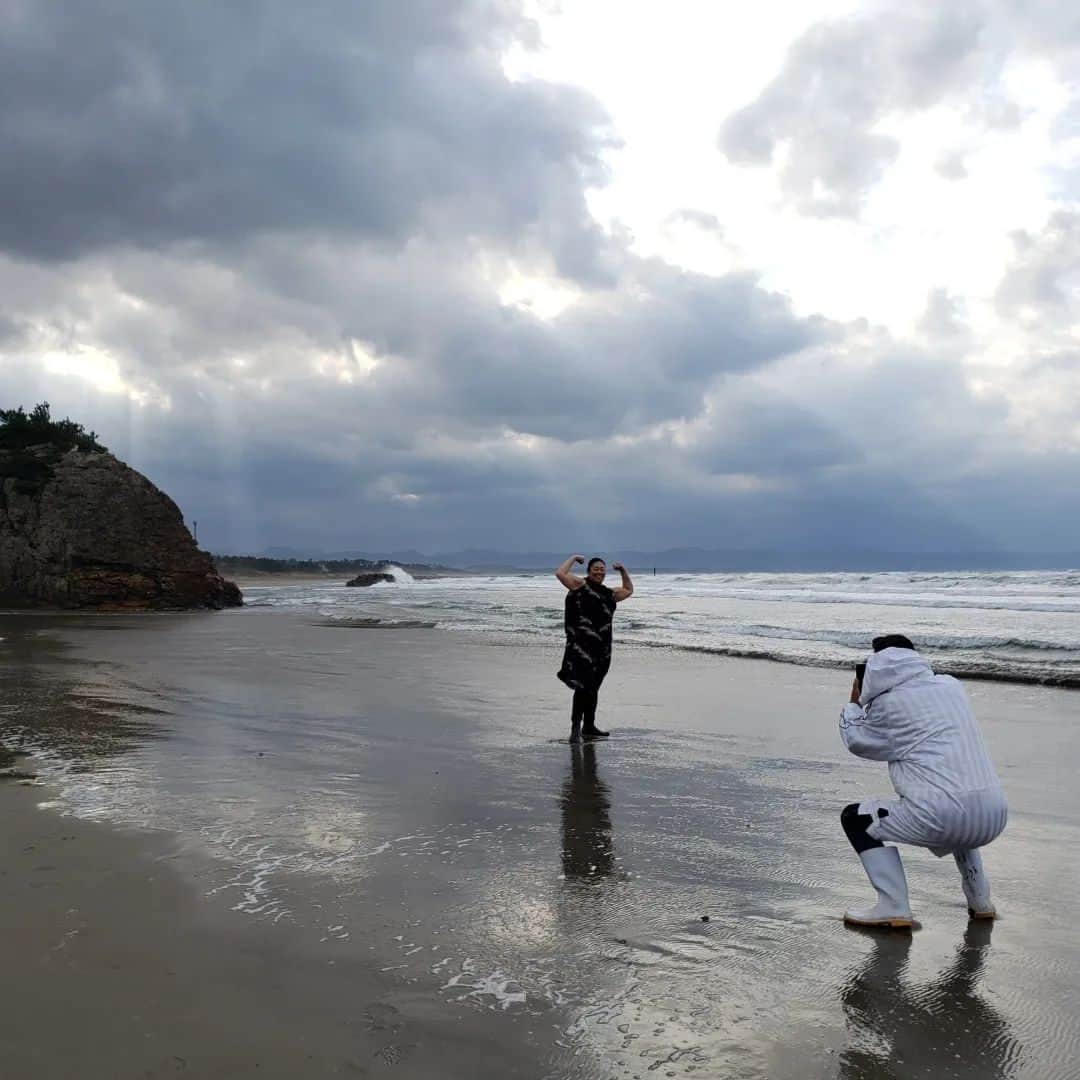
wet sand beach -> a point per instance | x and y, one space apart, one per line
264 846
117 967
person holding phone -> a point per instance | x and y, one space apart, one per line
590 609
950 798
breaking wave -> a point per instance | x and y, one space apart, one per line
1015 627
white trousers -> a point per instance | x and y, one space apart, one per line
943 824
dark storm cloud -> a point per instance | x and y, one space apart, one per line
785 423
159 122
762 435
778 459
10 331
242 206
450 354
619 361
903 409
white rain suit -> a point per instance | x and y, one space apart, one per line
922 725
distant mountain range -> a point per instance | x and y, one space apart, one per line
701 559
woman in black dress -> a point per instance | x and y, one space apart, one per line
590 608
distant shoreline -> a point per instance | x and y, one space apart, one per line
697 561
228 567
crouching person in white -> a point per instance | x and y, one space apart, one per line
950 797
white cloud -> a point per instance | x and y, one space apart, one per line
669 80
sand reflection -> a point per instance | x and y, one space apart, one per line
588 851
940 1028
55 702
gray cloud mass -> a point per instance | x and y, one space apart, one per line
154 123
285 228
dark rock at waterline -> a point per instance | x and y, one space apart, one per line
370 578
80 529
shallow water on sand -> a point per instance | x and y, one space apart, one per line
407 796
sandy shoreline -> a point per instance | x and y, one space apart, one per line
120 968
451 891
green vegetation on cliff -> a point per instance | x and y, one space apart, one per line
32 443
20 430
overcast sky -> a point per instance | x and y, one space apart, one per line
588 274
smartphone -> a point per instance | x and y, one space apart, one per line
860 672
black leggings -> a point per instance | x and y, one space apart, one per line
583 709
856 824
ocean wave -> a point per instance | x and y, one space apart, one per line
1014 627
861 638
989 672
922 600
375 623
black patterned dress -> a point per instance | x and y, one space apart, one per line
589 612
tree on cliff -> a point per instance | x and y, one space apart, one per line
19 430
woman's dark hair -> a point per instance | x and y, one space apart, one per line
594 559
891 641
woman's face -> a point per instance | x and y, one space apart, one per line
597 571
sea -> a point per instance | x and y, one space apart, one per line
1019 626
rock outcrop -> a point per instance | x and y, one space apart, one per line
370 578
80 529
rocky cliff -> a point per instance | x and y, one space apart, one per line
80 529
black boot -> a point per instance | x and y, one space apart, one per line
575 730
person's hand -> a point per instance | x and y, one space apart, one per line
856 690
617 566
579 558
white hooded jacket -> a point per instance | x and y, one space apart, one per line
922 725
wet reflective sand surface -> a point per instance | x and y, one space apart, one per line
666 903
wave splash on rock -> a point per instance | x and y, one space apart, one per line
386 575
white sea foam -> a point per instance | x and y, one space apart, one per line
497 985
1022 625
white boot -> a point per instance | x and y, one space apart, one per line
886 873
976 885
